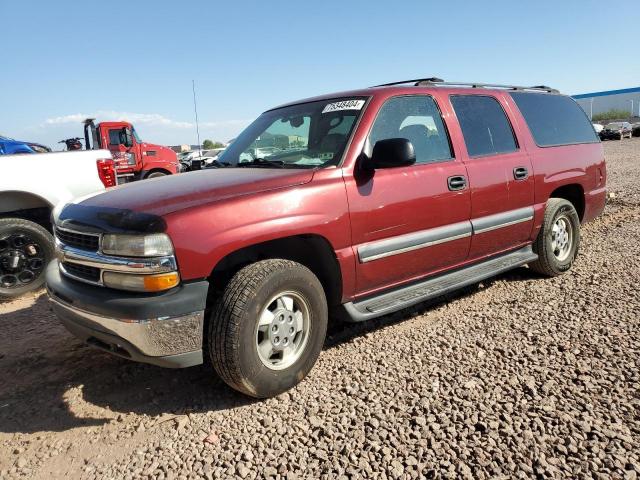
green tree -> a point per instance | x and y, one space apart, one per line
209 144
613 114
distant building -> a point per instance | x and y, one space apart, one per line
184 148
598 102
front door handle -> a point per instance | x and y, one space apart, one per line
520 173
457 182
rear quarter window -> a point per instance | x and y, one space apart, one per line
554 120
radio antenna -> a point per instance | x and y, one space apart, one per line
195 110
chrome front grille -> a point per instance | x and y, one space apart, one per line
83 241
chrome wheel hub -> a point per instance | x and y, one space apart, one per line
282 331
561 238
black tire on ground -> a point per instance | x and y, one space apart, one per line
156 175
32 246
233 326
558 211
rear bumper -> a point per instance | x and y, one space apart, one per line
161 329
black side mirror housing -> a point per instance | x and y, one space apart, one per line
391 153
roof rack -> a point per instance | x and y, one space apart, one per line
420 82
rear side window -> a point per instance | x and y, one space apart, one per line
417 119
554 119
485 126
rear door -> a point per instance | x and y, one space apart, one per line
408 222
500 175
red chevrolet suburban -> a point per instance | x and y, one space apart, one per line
352 205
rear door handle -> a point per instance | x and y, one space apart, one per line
457 182
520 173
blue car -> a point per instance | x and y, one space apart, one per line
9 146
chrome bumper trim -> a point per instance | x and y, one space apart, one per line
154 337
108 263
115 264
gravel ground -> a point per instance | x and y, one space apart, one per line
519 376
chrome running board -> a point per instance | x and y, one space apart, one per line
403 297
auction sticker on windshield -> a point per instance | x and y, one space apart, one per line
343 105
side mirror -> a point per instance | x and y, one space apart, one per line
392 152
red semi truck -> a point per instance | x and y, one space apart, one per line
135 159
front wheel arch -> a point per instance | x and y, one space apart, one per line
156 172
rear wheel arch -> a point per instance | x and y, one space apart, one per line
573 193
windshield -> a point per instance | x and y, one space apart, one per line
614 126
135 134
308 135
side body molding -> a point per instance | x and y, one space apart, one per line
447 233
413 241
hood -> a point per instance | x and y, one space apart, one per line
140 206
15 146
162 152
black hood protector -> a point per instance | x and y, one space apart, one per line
91 219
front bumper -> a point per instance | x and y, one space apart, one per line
164 329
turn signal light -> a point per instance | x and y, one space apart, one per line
141 283
157 283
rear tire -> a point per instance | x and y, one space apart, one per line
268 327
26 249
558 240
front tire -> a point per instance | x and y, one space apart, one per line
25 250
558 240
156 175
268 327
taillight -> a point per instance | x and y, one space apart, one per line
107 172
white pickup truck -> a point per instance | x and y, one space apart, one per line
31 185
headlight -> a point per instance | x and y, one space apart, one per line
141 283
154 245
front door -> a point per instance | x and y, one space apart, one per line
408 222
125 155
500 176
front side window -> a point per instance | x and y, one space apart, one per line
308 135
484 125
417 119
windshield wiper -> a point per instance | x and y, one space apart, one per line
262 162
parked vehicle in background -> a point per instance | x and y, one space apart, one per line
374 200
9 146
135 159
616 131
635 131
30 188
598 127
214 152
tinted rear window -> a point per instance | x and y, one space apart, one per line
485 126
554 119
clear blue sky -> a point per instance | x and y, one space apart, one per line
136 59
